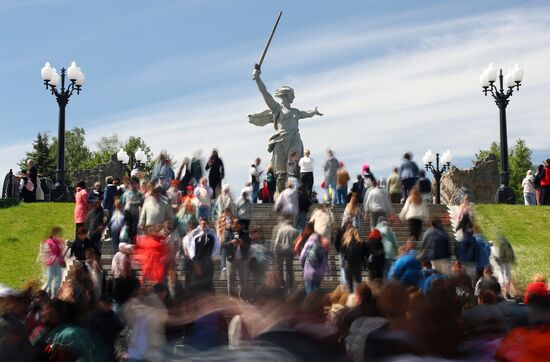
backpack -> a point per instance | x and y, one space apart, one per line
353 252
313 254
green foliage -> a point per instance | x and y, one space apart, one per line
43 158
519 161
526 229
131 146
105 148
77 154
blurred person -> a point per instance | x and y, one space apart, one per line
395 187
271 183
244 209
415 212
376 258
342 179
125 284
185 215
487 282
95 224
95 271
354 214
258 257
467 253
406 268
109 194
314 261
189 195
388 241
162 172
408 172
323 220
377 204
81 205
115 225
236 245
537 287
303 237
52 255
539 175
173 194
155 213
254 174
338 238
365 306
175 289
367 173
184 175
462 282
223 229
196 167
80 243
203 245
304 203
545 184
33 177
224 200
355 252
330 168
286 204
216 173
529 196
293 170
105 326
306 172
465 210
483 250
338 308
424 187
436 247
183 253
314 199
95 193
26 187
283 250
204 195
132 199
506 258
485 318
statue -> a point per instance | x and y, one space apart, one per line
286 138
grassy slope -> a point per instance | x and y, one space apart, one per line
22 228
527 228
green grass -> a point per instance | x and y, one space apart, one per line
527 229
22 228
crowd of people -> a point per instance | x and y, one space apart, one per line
424 298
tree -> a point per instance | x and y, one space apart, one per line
519 161
41 155
106 147
131 146
77 154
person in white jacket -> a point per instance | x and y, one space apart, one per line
378 204
415 211
323 219
286 204
528 185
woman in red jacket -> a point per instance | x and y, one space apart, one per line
545 184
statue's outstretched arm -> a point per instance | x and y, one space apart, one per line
268 98
309 114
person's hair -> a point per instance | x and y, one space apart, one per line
415 197
134 180
393 300
488 269
56 230
539 277
81 184
308 230
540 169
109 180
407 156
351 234
395 169
548 162
487 297
421 173
339 295
353 205
436 223
364 292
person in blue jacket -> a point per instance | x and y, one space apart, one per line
407 267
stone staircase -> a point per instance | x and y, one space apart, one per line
266 220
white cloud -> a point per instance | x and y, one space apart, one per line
421 91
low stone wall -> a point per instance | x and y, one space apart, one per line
99 173
482 181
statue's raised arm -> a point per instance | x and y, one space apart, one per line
268 98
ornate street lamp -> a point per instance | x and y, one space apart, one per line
62 93
429 159
513 78
131 162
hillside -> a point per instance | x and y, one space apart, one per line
527 228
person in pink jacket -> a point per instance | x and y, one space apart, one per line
81 206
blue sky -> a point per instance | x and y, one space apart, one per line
390 76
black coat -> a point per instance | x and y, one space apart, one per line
217 172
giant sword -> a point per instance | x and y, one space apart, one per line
259 64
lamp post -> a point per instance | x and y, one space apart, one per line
513 78
131 161
429 159
62 93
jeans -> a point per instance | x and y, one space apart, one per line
286 258
306 178
353 275
53 278
529 198
223 258
341 263
235 267
301 220
311 285
255 191
341 193
203 212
